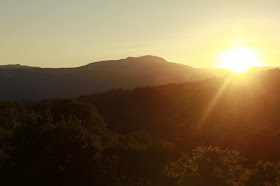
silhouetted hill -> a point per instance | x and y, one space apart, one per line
23 82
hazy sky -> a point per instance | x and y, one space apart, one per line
64 33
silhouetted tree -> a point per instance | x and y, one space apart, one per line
208 166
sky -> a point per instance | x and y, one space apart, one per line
70 33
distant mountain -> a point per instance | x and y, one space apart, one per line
33 83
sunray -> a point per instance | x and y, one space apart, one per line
214 101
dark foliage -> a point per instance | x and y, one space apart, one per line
66 142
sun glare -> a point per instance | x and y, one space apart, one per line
239 59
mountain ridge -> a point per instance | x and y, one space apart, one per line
34 83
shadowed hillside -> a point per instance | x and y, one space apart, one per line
238 112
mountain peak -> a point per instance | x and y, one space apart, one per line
146 58
141 59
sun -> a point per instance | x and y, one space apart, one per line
239 59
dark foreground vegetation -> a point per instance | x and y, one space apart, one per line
148 136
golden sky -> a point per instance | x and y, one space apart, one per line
67 33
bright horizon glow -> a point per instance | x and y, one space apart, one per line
240 59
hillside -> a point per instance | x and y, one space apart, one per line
236 113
